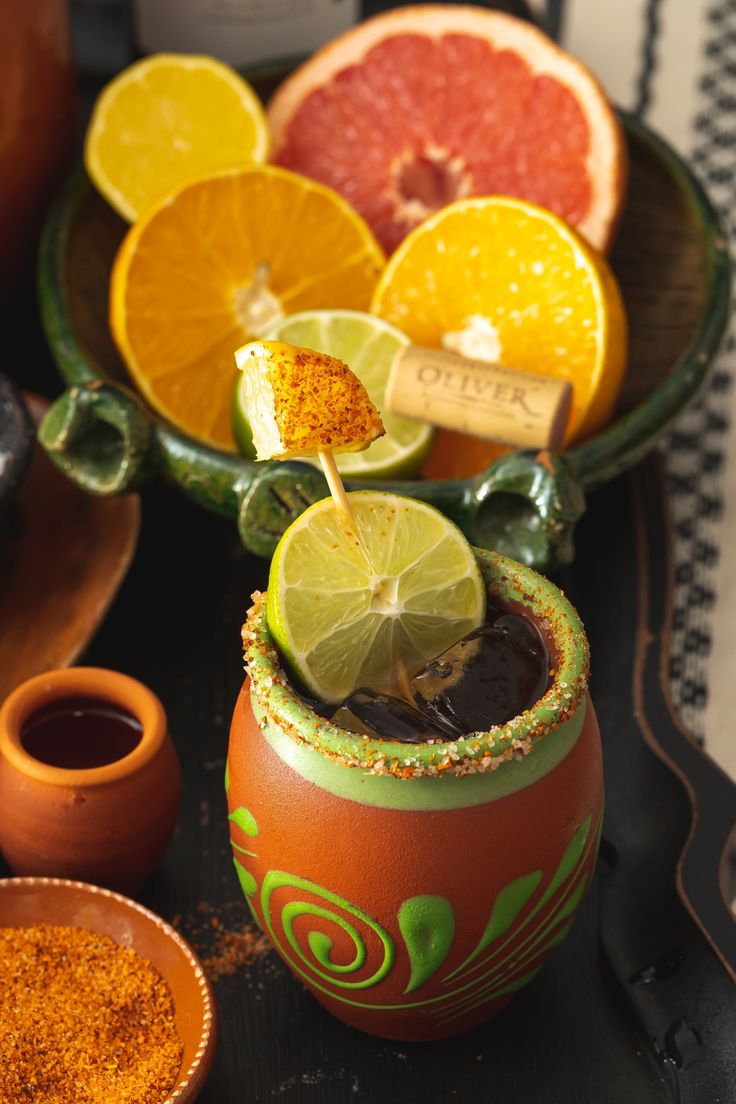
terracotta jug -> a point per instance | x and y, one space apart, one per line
107 824
415 888
37 133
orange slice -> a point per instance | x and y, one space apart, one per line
166 120
424 105
507 281
214 266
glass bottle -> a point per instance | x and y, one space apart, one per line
241 32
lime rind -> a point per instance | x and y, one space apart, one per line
343 618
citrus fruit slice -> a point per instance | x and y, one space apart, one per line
424 105
303 403
343 620
166 120
213 266
368 345
504 280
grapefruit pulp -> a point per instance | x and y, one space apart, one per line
424 105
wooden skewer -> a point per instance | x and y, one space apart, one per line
403 681
337 490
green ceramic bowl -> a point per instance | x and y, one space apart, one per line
670 258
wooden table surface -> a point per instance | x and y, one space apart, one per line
582 1031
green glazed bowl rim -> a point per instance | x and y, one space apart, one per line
479 752
603 456
265 499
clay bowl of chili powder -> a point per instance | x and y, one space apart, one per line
165 1013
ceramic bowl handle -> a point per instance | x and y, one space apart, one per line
527 505
274 497
99 436
524 506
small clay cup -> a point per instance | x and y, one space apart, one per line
109 825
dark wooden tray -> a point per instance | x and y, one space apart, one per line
63 555
636 1007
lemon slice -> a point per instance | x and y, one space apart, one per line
164 121
368 345
344 617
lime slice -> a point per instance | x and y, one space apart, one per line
367 345
342 616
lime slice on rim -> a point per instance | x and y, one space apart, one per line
342 618
368 346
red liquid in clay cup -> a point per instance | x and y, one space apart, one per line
108 822
416 888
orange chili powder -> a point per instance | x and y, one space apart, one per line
82 1021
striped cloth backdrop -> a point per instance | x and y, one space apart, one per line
674 62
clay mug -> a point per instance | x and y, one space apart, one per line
415 888
37 129
108 824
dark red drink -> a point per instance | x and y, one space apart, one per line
81 733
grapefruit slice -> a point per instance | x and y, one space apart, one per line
424 105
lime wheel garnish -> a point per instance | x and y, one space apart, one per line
345 613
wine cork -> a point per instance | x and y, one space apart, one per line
486 400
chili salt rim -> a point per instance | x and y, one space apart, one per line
478 752
207 1037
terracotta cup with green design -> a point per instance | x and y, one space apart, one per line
416 888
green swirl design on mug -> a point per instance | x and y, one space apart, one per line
527 918
246 879
319 943
427 926
244 819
